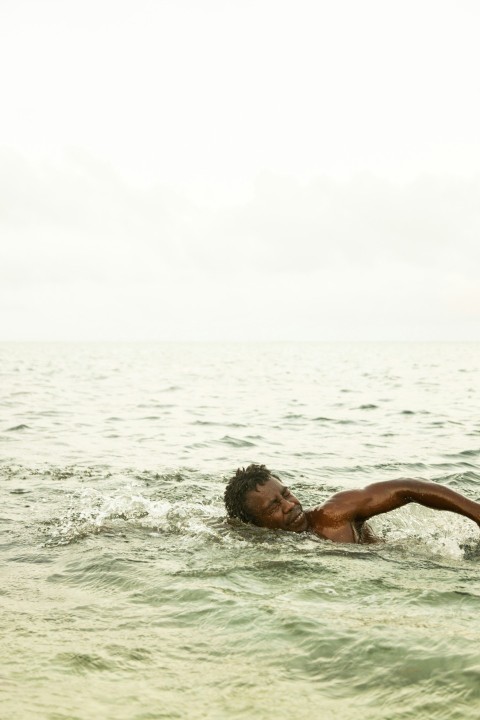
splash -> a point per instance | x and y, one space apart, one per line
438 533
92 512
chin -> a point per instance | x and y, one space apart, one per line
301 527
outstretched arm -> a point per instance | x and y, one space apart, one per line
353 505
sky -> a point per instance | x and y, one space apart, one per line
239 170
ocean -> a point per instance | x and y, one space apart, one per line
125 592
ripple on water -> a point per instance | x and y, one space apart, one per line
127 569
236 442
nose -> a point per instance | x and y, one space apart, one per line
287 505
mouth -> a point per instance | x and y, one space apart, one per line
297 519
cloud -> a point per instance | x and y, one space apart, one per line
79 219
87 254
429 222
84 219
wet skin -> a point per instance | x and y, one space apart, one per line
342 517
274 506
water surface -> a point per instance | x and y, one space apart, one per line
125 592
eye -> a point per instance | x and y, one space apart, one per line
273 507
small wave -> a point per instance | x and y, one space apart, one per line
236 442
82 662
385 467
368 406
155 405
469 453
212 423
469 479
321 418
94 512
18 427
464 454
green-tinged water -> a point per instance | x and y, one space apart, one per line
126 594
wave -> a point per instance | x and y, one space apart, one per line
92 512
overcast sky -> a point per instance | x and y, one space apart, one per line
239 170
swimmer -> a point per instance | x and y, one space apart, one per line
254 495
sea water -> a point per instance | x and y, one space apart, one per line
126 593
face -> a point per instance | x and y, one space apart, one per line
274 506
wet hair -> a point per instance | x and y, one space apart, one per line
244 481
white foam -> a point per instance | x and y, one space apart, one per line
442 533
92 511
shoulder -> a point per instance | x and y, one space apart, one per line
322 516
330 525
341 507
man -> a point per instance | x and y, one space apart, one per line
256 496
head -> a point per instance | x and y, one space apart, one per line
256 496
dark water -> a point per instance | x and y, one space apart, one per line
125 592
